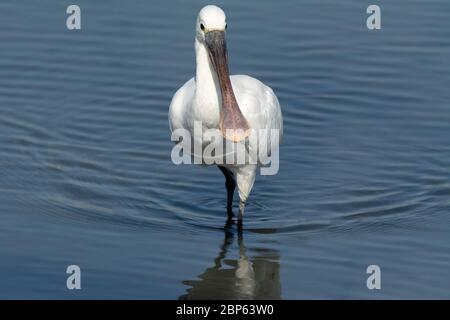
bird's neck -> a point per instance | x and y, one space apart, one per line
208 99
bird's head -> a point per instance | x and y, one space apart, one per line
211 32
210 18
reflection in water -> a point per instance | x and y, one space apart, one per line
244 278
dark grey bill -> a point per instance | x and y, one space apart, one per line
233 124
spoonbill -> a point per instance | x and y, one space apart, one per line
234 105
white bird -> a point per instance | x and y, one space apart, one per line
234 105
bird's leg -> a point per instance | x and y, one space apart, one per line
245 177
241 212
230 184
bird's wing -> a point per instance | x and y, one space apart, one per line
258 103
180 103
262 110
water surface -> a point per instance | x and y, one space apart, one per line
86 176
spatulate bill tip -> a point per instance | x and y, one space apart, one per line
235 135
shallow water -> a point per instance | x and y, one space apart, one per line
86 176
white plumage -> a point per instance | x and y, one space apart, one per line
206 98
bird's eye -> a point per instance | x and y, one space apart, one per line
202 26
226 26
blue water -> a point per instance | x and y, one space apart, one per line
86 176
